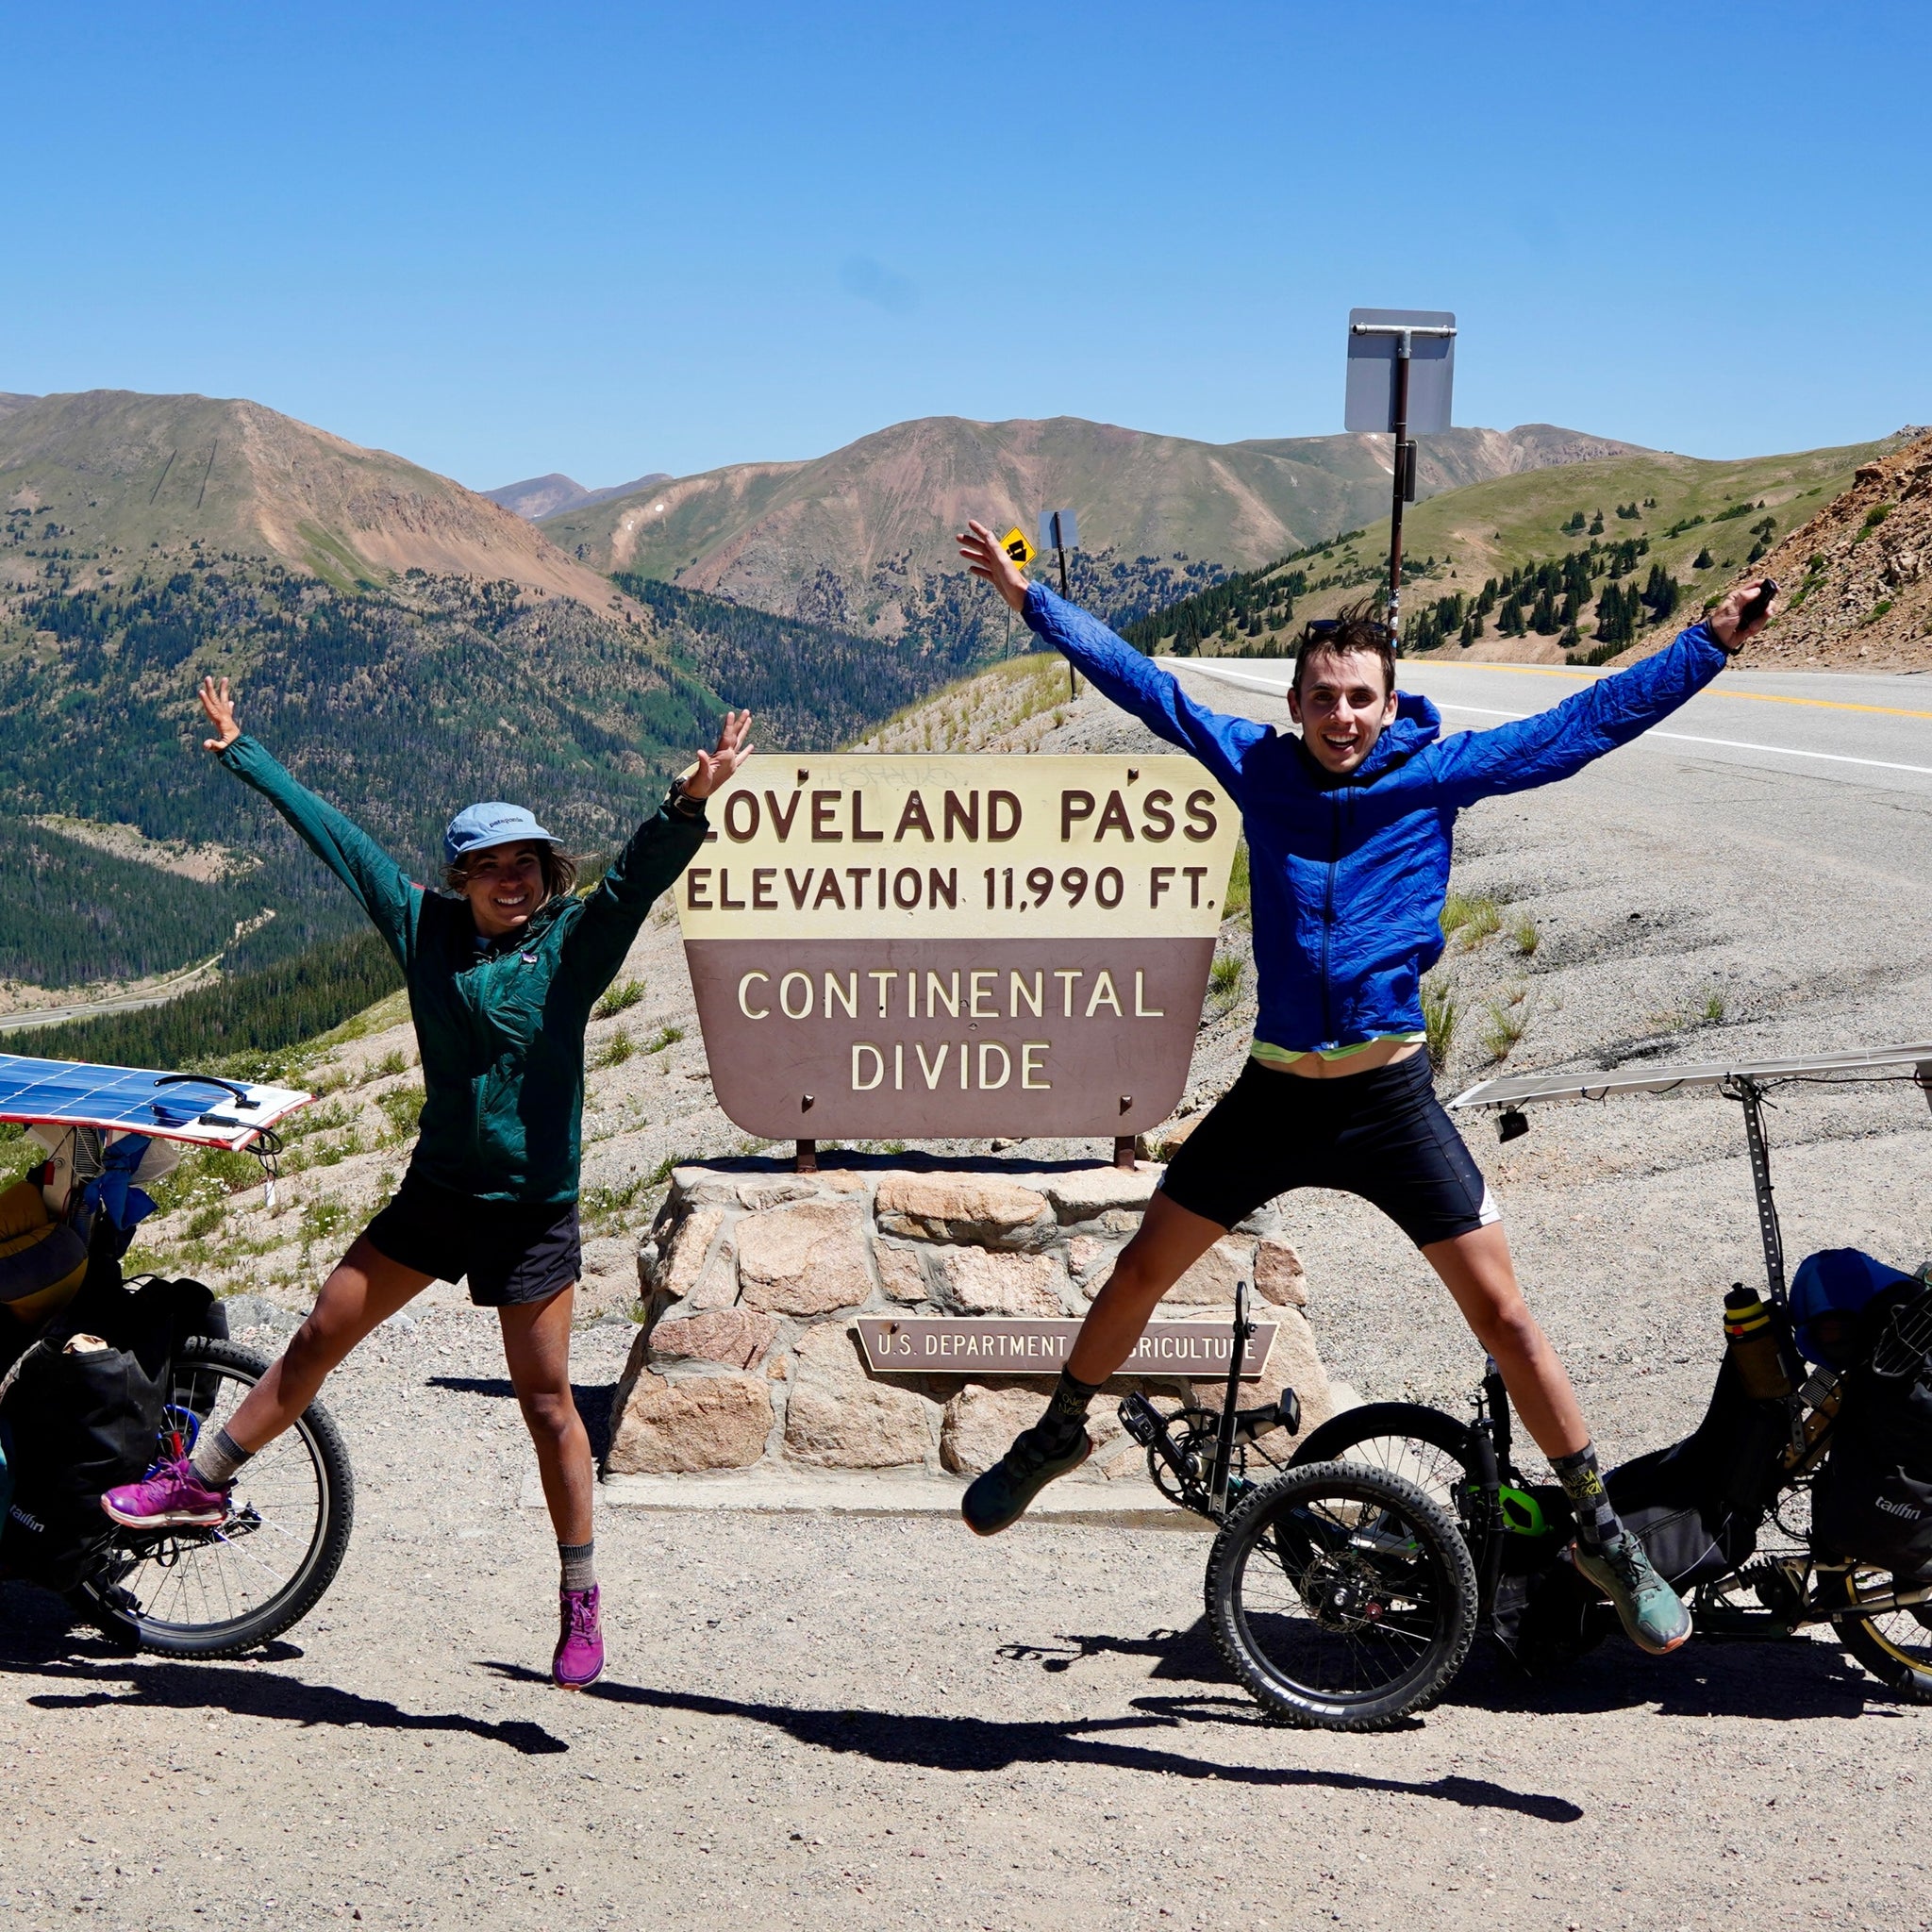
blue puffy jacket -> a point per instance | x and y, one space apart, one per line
1349 875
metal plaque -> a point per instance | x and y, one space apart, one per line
1371 405
955 948
988 1345
1058 530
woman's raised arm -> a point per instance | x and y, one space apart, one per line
381 887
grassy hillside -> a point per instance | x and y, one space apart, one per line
863 539
1691 522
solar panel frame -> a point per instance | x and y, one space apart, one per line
199 1110
1870 1063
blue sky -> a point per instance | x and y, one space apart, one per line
617 239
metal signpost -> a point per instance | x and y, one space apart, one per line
955 948
1401 367
1061 533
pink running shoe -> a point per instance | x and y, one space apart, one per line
579 1660
176 1496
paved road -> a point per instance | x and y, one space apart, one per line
1864 729
1841 762
31 1016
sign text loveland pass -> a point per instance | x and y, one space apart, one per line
955 947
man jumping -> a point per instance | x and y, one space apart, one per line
1349 836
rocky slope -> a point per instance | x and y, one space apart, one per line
110 470
1857 576
852 537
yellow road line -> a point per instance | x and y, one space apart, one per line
1762 697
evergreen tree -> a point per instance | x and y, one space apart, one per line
1596 524
1704 559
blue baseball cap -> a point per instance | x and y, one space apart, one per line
491 824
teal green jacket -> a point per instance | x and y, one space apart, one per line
501 1029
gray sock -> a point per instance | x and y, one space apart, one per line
579 1562
217 1457
1597 1523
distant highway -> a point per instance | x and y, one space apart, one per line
1871 730
120 1003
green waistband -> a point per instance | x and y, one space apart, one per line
1271 1056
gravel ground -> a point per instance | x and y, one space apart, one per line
816 1721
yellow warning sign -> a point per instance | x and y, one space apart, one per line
1016 546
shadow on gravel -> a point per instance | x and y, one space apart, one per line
1188 1654
157 1685
1796 1680
973 1743
594 1404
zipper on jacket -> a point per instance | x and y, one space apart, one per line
1328 912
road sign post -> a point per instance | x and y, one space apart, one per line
1016 546
1401 369
1059 532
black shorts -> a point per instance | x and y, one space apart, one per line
511 1251
1382 1135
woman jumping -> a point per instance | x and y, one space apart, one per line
502 968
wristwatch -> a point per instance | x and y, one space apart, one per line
679 801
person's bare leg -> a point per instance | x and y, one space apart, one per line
1170 1242
536 1345
1476 1269
365 1290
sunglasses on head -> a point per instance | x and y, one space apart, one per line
1327 627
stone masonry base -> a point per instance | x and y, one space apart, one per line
748 1375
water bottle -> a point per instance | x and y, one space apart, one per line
1754 1345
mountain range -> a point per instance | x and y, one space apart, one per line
536 498
112 471
863 538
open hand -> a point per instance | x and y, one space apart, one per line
220 714
1723 622
985 558
716 768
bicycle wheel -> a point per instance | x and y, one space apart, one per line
1894 1645
1343 1597
219 1593
1419 1445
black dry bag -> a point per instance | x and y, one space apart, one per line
83 1420
1873 1501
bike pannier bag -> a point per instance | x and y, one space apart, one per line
84 1418
1873 1501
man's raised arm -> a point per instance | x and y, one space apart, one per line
1116 669
1613 710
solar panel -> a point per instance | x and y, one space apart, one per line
171 1106
1869 1062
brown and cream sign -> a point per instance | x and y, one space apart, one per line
981 1345
911 947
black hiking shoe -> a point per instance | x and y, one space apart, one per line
1652 1613
1001 1495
